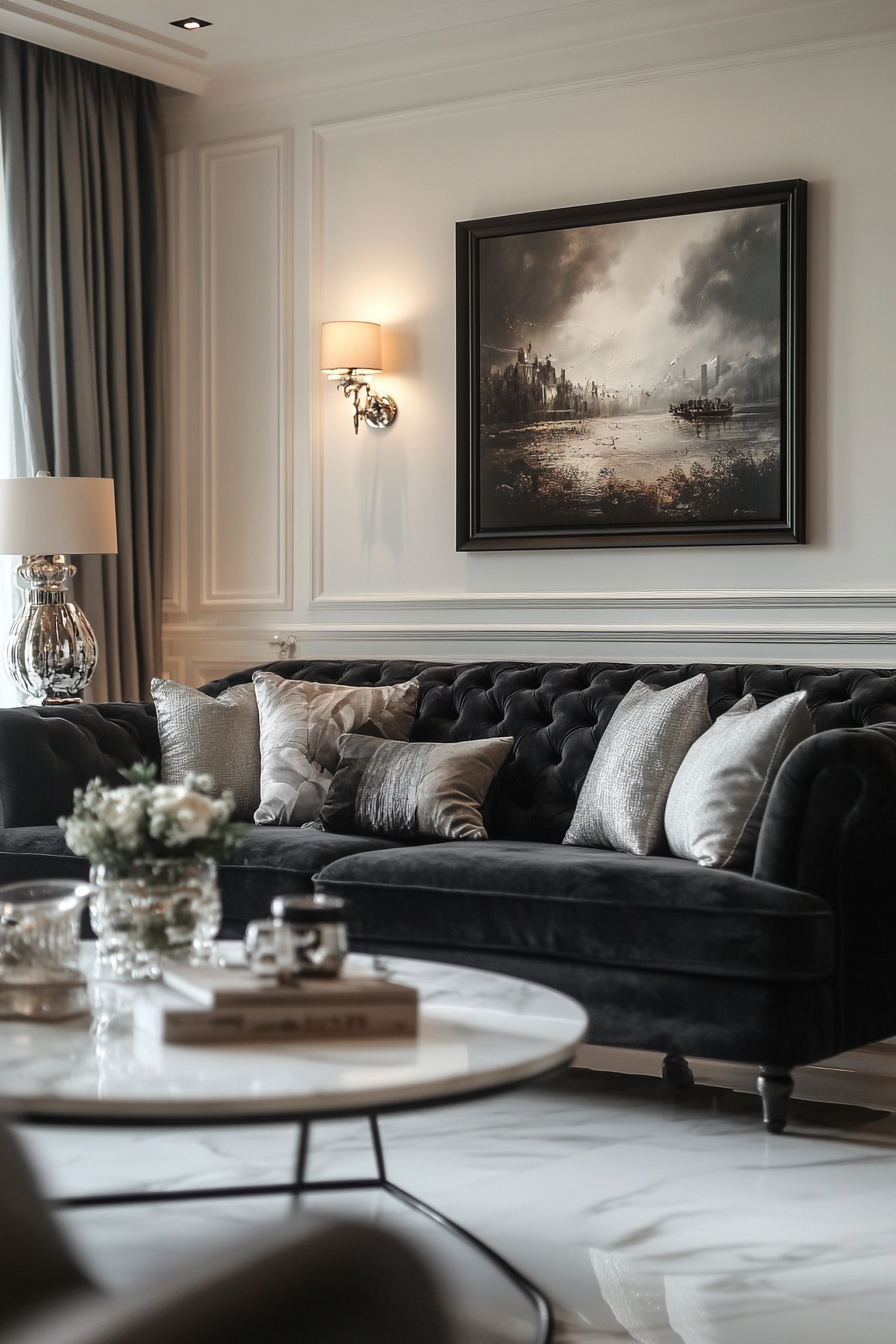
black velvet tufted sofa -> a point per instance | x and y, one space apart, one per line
786 965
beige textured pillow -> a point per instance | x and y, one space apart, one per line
217 737
301 723
719 796
623 798
400 790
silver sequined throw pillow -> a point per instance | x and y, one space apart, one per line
301 723
217 737
718 798
623 798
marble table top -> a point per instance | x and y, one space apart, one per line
478 1031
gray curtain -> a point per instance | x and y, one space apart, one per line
82 155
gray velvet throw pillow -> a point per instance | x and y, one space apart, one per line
400 790
217 737
301 723
719 796
623 798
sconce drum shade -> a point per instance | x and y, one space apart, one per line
351 345
57 515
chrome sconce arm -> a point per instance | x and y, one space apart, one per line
376 408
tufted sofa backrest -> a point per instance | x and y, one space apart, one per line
557 713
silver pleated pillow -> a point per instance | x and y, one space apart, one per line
719 796
217 737
623 798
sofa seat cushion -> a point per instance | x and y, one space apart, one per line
32 852
585 905
268 862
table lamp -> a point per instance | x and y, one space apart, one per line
51 651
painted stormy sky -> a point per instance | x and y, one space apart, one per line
618 303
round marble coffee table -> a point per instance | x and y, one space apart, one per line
480 1033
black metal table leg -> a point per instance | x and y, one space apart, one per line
301 1185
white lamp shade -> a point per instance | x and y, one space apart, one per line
57 515
351 345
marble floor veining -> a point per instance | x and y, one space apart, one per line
642 1213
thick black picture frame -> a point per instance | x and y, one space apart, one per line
791 196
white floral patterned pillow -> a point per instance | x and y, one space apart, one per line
300 725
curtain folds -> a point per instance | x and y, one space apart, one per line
82 156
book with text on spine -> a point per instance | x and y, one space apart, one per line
383 1010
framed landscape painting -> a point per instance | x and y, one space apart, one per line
634 374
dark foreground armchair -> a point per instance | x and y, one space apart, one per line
347 1284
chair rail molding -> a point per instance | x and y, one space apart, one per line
789 634
207 652
753 600
246 244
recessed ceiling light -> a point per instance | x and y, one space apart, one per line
191 24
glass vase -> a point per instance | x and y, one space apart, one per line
154 910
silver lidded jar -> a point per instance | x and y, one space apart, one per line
318 929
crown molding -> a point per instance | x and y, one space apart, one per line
101 38
573 48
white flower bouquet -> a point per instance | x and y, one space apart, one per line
144 821
153 850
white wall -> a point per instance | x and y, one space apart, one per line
283 522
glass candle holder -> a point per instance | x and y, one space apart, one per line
40 926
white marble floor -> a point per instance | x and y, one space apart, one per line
642 1214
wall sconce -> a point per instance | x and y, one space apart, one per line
348 351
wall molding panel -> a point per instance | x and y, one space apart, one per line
385 166
246 238
174 668
175 565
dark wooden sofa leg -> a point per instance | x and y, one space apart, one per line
775 1087
677 1071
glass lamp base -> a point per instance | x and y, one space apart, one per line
51 651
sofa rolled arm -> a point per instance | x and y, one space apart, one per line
830 829
46 753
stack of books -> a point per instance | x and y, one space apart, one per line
200 1004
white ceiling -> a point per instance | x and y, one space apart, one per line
413 35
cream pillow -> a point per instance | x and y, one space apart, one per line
719 796
623 798
301 723
217 737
